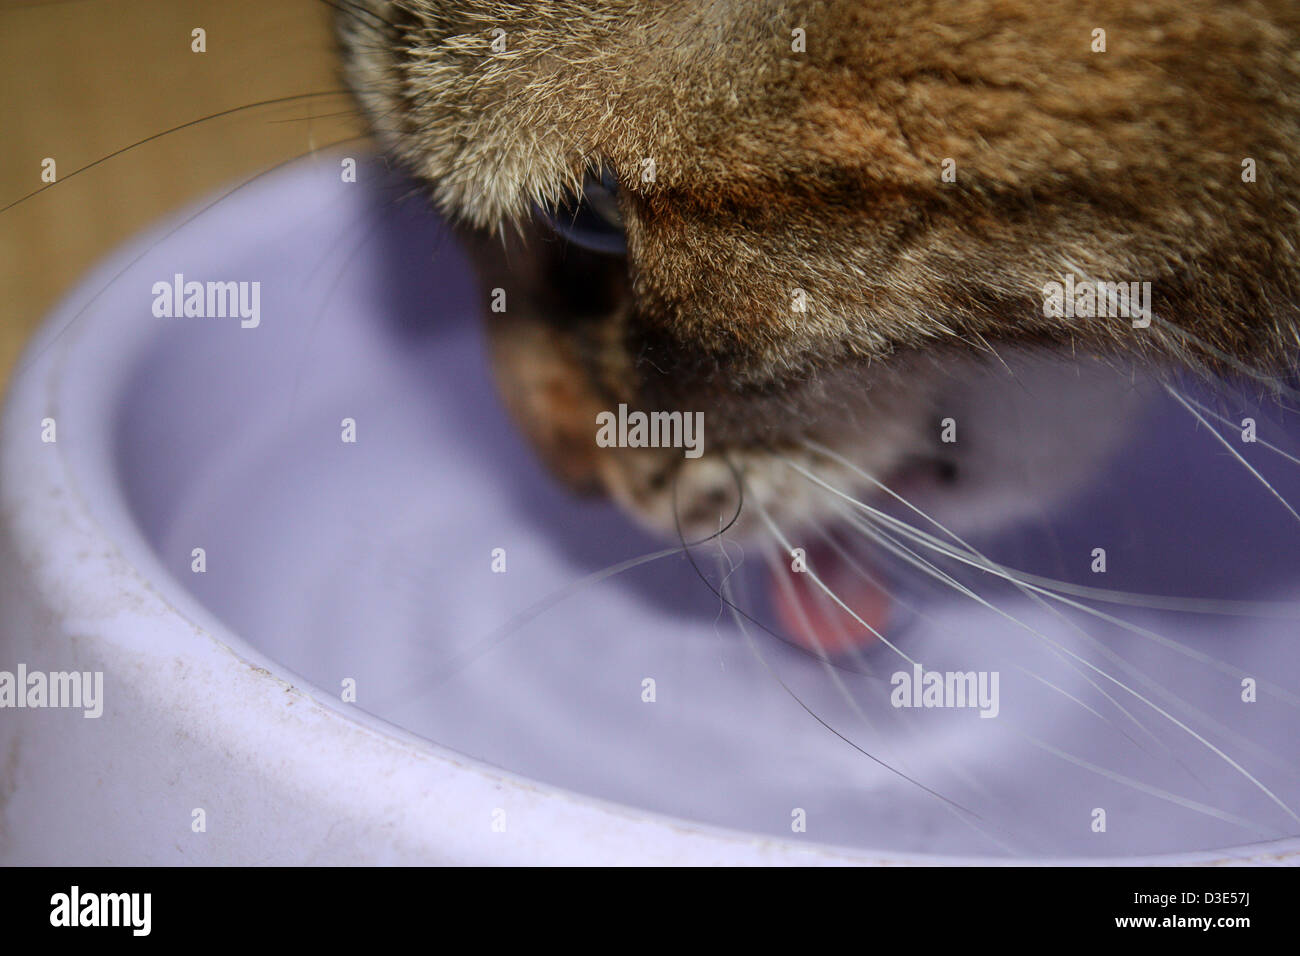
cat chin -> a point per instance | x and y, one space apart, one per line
1030 435
977 445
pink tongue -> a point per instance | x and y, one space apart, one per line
813 618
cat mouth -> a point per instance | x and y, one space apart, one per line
834 597
829 602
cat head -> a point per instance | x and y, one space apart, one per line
834 228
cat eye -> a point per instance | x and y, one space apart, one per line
592 220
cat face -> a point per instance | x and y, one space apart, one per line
830 228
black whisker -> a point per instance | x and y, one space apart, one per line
34 355
168 132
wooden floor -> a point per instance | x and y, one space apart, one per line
81 79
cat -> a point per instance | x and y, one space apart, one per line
830 226
863 250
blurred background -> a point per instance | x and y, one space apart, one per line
82 79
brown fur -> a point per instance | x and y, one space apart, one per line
821 171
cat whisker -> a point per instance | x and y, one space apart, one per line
853 564
986 565
1060 653
894 546
973 558
1271 382
1088 707
862 522
1223 419
1164 692
1051 586
315 116
462 659
32 355
1235 454
857 654
821 653
785 544
907 554
457 662
1157 792
1182 338
167 132
967 815
917 561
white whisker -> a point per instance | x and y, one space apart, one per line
989 566
908 555
785 543
822 655
968 816
1235 454
1224 419
1155 791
